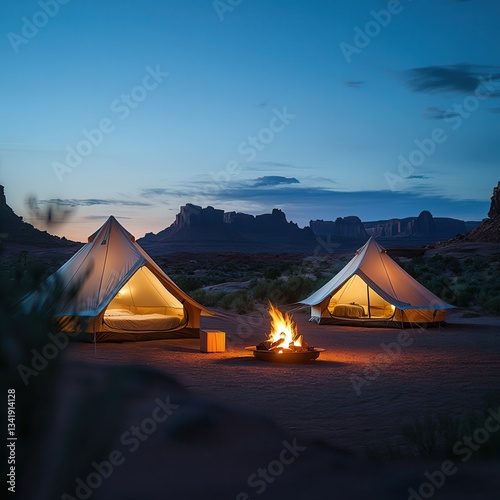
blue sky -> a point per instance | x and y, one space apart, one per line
325 109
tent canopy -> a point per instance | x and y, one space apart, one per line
113 271
372 279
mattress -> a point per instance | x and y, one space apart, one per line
348 311
125 320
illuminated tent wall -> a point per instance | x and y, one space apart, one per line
372 290
119 291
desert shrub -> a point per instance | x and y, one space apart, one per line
243 302
190 283
261 289
492 305
442 436
471 282
272 273
208 298
463 298
438 285
25 334
296 288
285 291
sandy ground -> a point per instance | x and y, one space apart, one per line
447 369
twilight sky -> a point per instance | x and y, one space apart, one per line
324 109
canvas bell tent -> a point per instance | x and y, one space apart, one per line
114 288
372 290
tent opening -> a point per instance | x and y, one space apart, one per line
144 294
356 299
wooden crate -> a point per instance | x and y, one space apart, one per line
212 341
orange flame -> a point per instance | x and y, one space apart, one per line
283 328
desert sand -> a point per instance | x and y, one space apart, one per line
182 424
355 397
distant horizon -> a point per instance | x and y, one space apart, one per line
58 229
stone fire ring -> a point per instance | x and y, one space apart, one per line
285 357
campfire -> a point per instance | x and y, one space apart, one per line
283 341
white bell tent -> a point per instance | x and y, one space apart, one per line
374 290
116 290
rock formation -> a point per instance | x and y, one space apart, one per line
214 230
495 203
194 223
347 227
489 230
423 225
14 230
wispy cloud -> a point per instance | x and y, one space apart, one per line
462 78
322 180
190 189
435 113
197 186
354 84
153 192
299 200
261 105
273 180
273 164
89 202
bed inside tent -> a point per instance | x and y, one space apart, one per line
143 304
356 299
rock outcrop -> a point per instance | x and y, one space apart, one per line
495 203
346 227
13 229
215 230
194 223
423 225
489 229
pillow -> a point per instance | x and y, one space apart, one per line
118 312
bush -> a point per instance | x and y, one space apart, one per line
243 302
189 283
492 305
438 436
272 273
464 298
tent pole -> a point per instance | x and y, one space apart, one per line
95 339
368 300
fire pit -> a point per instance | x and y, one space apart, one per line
284 344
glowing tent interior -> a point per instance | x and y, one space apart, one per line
118 291
373 290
